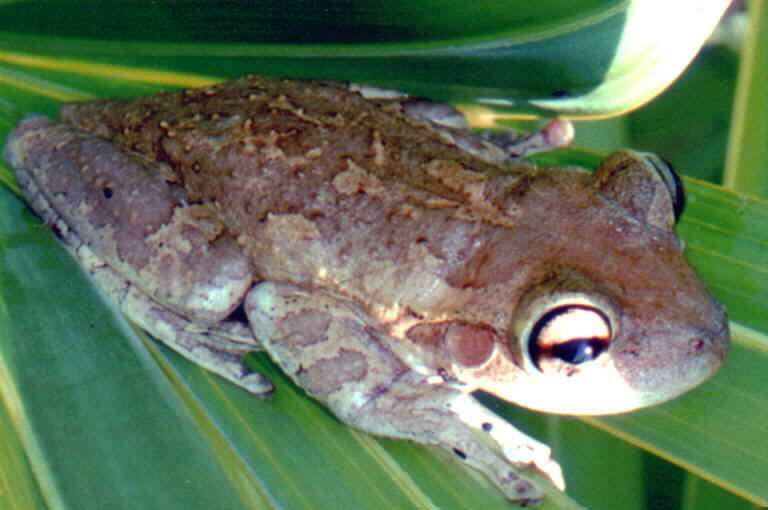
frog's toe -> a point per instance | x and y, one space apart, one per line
257 384
553 471
556 133
523 492
537 456
235 371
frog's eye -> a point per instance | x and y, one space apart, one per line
568 334
563 325
671 181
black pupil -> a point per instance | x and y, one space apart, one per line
579 351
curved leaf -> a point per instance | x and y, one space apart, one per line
95 413
589 59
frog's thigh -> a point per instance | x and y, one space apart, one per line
126 212
219 348
329 351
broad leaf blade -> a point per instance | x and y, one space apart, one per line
586 59
89 410
36 68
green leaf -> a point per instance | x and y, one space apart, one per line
747 163
594 58
94 414
79 402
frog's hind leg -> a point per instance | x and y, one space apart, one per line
133 215
144 246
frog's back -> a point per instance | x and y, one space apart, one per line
311 175
278 131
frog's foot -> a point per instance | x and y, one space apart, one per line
219 348
452 124
556 133
516 447
455 421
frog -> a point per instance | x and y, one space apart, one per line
388 259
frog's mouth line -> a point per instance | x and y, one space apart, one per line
603 390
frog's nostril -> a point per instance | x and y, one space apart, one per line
697 345
712 344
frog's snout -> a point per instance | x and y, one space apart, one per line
708 347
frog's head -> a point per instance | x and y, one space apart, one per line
610 316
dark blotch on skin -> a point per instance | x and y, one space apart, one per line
460 454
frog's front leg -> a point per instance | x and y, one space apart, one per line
169 265
499 147
326 345
554 134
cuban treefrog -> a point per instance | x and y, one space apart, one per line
387 259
